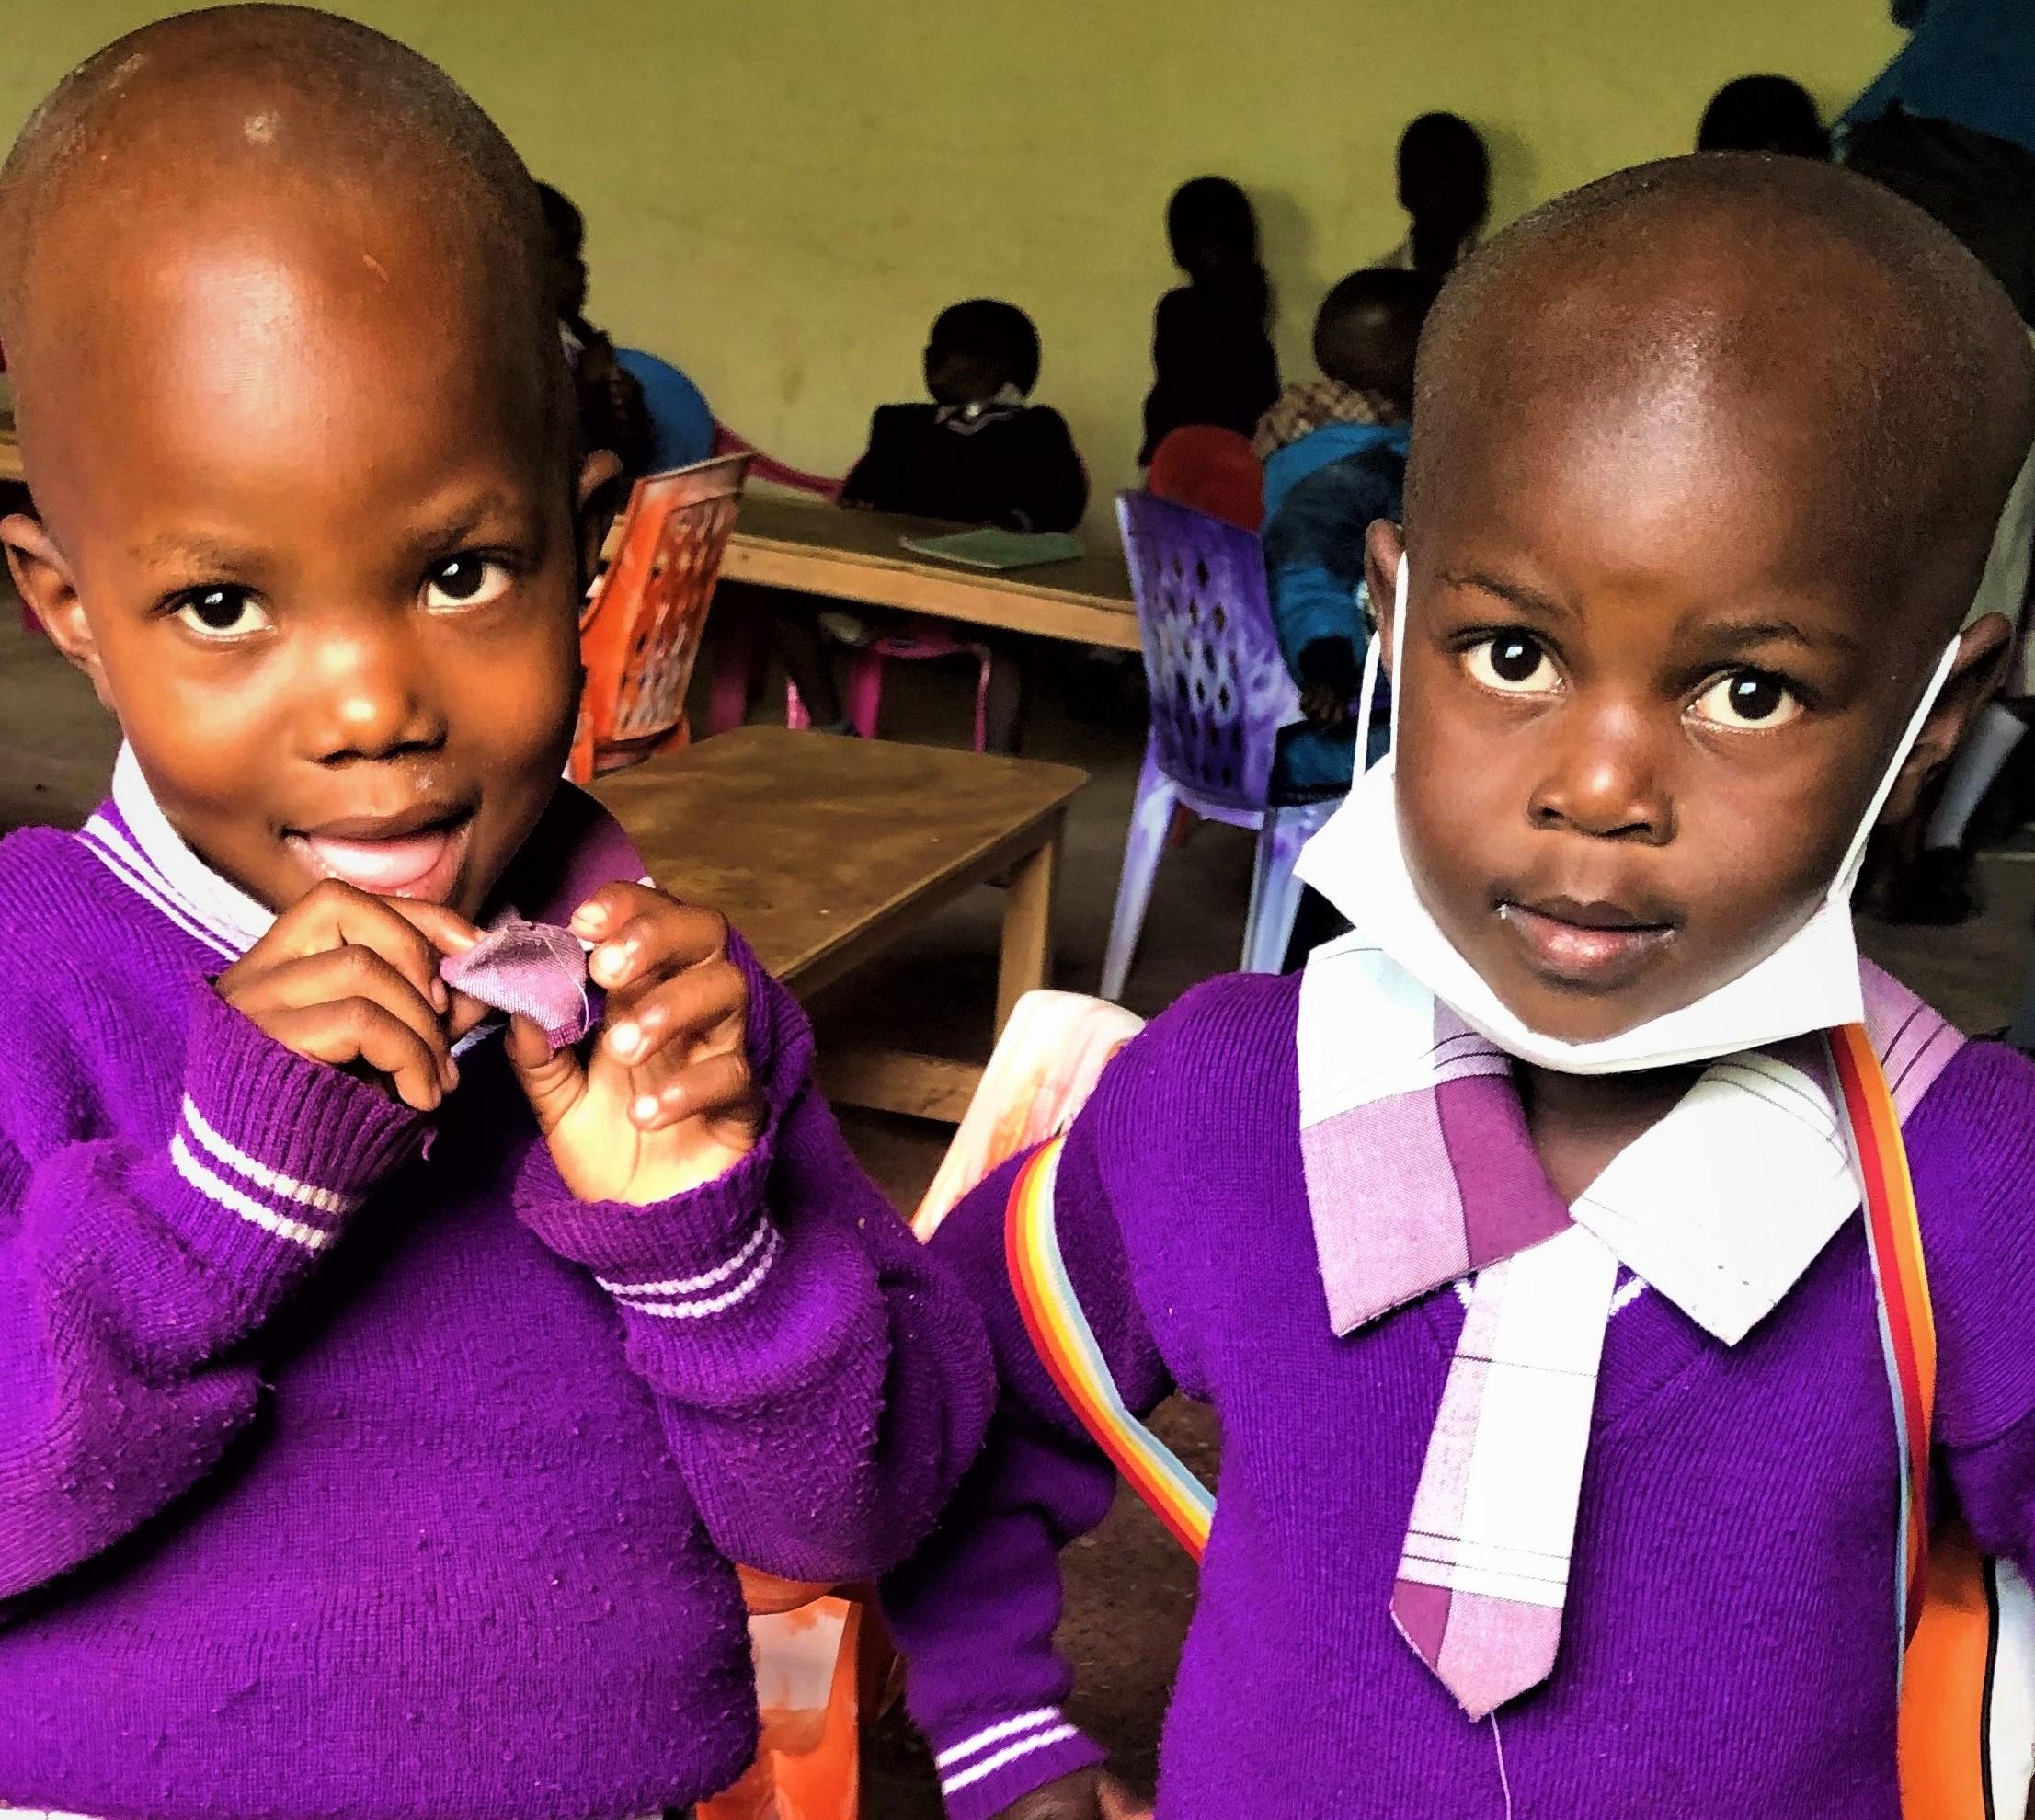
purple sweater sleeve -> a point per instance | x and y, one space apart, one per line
1972 1143
975 1610
132 1269
823 1382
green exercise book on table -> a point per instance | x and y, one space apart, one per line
990 548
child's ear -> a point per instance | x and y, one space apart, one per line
1384 545
43 580
1980 651
599 497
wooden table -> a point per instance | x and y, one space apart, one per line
815 548
824 851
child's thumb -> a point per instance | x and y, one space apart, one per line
552 1079
1118 1802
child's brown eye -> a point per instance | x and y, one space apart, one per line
1512 663
465 581
221 613
1747 698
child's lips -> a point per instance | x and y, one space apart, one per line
1592 946
424 863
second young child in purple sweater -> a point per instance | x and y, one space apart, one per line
384 1396
1515 1244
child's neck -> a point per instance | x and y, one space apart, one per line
1578 1122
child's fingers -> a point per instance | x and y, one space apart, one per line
443 927
332 915
552 1079
359 1029
344 975
466 1013
707 1004
718 1086
640 933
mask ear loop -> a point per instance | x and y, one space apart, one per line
1367 698
1846 880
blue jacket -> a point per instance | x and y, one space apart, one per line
1968 62
1320 496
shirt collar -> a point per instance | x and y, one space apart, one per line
1420 1168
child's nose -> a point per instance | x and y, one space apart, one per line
1607 777
369 698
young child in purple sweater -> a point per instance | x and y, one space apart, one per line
1515 1240
384 1396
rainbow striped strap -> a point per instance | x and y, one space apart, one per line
1901 1286
1066 1345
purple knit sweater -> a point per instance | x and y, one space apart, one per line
1728 1643
332 1483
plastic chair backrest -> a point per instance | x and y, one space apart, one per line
1045 1065
1213 470
640 633
1220 690
728 441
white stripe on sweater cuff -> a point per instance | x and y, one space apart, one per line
1029 1732
287 1188
679 1298
227 1176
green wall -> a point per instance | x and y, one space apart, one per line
780 196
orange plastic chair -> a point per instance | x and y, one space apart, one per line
639 635
1211 470
822 1659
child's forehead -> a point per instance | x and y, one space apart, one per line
1808 374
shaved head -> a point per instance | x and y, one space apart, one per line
261 89
250 132
1876 375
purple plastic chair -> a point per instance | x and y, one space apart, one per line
1221 692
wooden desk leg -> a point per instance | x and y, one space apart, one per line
1027 960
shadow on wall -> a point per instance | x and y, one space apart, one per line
1516 179
1290 239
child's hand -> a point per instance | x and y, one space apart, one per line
1323 704
1087 1794
1330 676
663 1102
348 979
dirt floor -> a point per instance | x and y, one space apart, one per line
1129 1595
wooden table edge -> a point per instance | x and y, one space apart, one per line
974 598
839 958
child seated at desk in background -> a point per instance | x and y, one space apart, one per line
1516 1241
978 453
1334 451
387 1387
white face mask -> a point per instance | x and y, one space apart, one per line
1810 983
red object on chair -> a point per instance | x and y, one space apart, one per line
640 632
1211 470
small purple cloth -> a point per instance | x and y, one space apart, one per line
536 969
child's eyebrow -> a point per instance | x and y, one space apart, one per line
459 523
1776 630
196 551
1513 593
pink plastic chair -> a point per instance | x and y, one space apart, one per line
917 640
742 651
